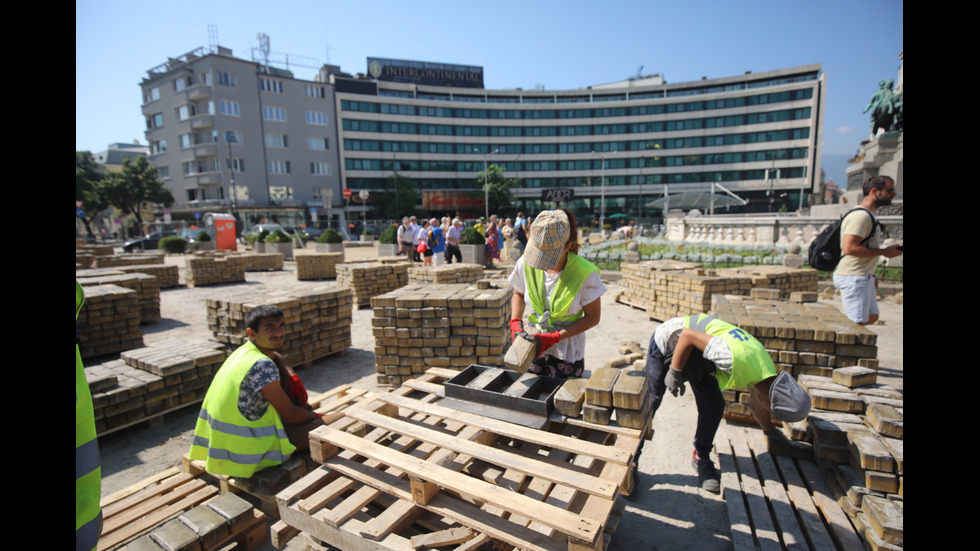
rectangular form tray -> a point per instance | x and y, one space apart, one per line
505 389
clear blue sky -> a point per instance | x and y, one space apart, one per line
561 44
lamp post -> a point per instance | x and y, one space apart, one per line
229 138
602 193
394 180
486 183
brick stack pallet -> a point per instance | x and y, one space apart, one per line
315 266
147 382
453 325
214 270
370 279
128 259
448 273
147 288
405 472
167 275
109 320
318 320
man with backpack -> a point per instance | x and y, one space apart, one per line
859 245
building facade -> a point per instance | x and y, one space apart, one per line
606 150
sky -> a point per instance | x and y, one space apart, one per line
560 44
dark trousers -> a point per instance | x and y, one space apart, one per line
707 395
451 252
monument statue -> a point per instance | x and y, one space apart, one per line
886 108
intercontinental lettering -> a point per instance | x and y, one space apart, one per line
430 74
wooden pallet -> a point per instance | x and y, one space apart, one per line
776 502
416 468
150 503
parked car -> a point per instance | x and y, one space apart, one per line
148 241
257 229
311 233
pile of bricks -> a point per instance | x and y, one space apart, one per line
454 325
147 288
318 320
214 270
857 430
167 275
128 259
447 273
370 279
147 382
669 288
262 262
612 393
315 266
109 320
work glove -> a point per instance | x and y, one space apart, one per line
546 341
675 383
297 392
516 326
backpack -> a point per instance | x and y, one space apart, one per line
825 252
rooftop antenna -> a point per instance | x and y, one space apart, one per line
213 38
264 50
639 71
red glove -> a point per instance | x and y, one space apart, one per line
516 326
546 341
296 390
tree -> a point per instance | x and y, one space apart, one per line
399 198
88 189
500 199
136 187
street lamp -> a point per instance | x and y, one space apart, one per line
602 203
486 183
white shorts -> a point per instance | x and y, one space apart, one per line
858 296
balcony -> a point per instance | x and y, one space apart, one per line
198 92
205 178
201 122
205 150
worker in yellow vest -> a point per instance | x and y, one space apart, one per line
713 355
561 289
88 470
255 413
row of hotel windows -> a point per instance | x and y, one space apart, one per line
354 125
181 83
595 180
191 168
581 164
233 136
585 147
231 109
395 109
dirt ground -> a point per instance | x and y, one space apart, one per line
670 511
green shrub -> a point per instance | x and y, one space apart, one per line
263 236
330 235
203 236
367 231
173 245
471 236
607 227
390 235
279 237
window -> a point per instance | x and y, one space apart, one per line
206 78
235 165
234 136
278 167
313 91
276 140
154 121
316 117
274 114
319 144
227 79
229 108
157 147
189 168
320 169
186 140
163 172
185 112
270 85
153 94
181 83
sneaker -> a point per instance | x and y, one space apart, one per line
708 476
778 444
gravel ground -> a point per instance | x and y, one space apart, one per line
670 512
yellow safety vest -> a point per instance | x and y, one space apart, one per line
88 469
229 443
750 361
552 312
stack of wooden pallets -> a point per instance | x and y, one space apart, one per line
404 472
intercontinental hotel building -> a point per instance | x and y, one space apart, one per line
293 146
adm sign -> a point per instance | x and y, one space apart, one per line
558 194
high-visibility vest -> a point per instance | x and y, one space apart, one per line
229 443
552 312
750 361
88 469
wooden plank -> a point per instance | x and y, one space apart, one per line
281 533
764 530
513 431
396 514
840 524
147 492
738 516
155 518
116 519
491 454
134 488
789 527
816 532
443 537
